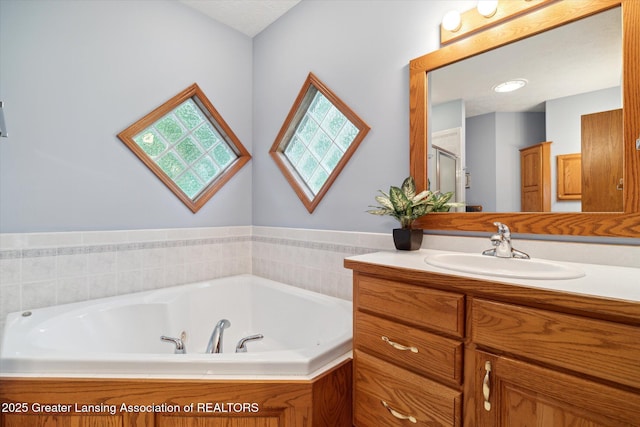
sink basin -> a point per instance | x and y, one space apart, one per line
504 267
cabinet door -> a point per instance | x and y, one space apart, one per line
569 175
511 393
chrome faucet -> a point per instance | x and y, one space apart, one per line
502 244
178 342
241 347
215 342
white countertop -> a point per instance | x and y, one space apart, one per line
599 280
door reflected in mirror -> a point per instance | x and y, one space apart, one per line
573 77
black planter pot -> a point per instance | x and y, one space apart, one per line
407 239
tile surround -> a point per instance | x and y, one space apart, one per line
43 269
311 259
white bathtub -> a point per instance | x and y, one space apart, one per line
120 336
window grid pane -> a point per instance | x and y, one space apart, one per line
187 147
319 142
315 141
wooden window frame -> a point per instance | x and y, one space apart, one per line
294 117
193 91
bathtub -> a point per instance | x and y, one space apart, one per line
304 332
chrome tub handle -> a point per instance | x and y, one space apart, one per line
180 348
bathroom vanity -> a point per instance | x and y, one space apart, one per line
434 346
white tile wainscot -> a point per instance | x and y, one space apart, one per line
45 269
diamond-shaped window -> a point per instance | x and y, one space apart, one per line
316 141
188 145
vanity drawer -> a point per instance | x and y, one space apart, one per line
603 349
416 305
405 393
414 349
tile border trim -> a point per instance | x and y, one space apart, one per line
161 244
323 246
119 247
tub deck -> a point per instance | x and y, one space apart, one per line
304 333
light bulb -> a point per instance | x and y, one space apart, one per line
487 8
451 21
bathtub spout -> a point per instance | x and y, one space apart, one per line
242 344
215 342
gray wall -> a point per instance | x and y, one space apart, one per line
447 115
493 142
481 161
75 73
361 51
513 132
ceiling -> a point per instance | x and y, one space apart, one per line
580 57
247 16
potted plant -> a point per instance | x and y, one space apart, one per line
406 206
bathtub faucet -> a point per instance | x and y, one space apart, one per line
215 342
241 347
180 348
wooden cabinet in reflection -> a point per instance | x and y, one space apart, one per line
535 178
602 160
569 176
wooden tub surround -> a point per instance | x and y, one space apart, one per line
60 402
436 349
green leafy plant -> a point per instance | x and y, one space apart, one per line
406 206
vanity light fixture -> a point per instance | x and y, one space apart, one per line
487 8
486 14
451 21
510 86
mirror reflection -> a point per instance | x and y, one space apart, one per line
554 144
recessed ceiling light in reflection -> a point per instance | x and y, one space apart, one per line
510 85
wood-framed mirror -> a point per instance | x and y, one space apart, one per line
625 223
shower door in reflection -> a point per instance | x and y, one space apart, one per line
446 172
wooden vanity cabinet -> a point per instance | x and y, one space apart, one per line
546 368
440 350
407 353
514 393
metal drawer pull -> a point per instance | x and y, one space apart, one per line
399 346
397 414
485 386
